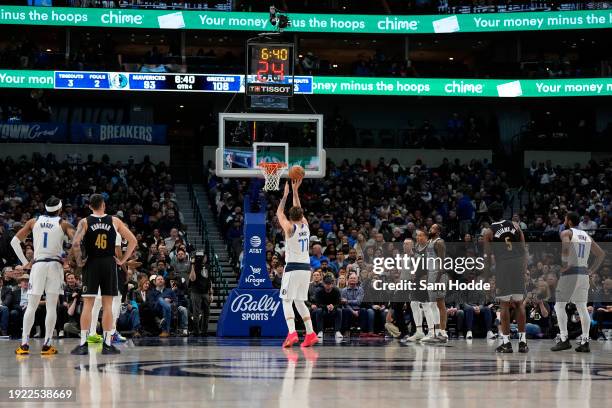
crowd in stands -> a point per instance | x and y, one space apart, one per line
364 210
459 132
162 287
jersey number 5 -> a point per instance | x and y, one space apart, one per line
101 241
508 244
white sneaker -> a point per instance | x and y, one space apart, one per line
320 334
415 337
468 335
339 336
491 335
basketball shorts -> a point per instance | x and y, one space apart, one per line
295 282
434 295
573 286
100 273
510 279
46 277
418 294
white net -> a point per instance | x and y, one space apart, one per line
272 174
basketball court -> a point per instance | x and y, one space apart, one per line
229 372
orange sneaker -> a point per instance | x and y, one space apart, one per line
291 339
310 340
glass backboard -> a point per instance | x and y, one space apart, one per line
247 139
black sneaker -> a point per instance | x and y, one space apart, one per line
523 347
583 348
80 350
110 349
562 345
505 348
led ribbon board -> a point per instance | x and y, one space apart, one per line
321 23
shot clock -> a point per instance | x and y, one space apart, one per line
269 69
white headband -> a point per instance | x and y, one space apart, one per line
55 208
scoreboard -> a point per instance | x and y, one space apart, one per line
141 81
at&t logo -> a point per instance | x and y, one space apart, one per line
255 242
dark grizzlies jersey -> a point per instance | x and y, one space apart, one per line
100 237
506 240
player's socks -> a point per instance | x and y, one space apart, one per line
443 333
308 325
419 329
522 337
83 337
108 338
25 339
291 325
505 338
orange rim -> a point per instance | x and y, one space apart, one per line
271 167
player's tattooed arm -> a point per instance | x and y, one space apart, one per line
68 229
566 238
488 236
76 242
600 256
524 245
440 248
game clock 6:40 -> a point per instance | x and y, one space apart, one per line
270 63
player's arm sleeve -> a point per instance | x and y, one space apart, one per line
18 238
16 244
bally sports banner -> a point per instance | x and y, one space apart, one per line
322 23
118 134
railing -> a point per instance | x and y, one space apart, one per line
213 259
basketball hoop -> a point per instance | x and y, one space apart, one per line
272 173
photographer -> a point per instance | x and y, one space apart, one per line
200 292
538 311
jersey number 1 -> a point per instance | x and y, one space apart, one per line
45 239
581 250
101 241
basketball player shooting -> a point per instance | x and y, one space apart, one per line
505 241
99 232
296 278
47 274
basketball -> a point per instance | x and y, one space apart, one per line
296 172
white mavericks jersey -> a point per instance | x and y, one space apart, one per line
298 245
580 249
48 237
